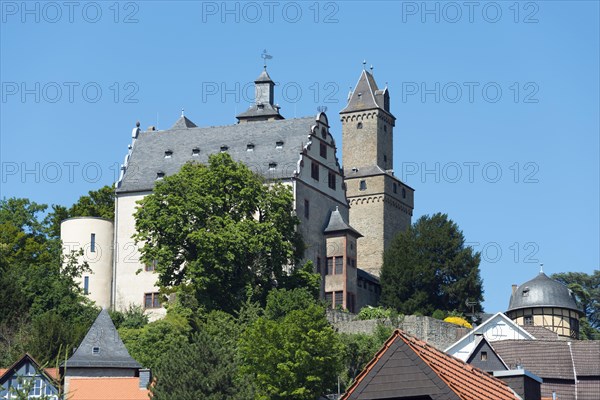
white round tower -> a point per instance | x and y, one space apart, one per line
95 236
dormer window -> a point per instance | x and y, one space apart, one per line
279 144
272 166
195 152
95 350
224 149
168 153
250 147
526 292
160 175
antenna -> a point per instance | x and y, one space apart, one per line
265 56
472 314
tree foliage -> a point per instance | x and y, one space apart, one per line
295 355
587 290
428 267
217 232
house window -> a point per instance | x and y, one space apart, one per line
151 266
314 171
93 242
151 300
339 265
323 150
484 356
362 185
37 387
195 152
331 180
528 320
339 298
306 208
329 298
86 285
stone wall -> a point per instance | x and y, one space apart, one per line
437 333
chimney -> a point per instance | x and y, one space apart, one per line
522 382
145 376
514 289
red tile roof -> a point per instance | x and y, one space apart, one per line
467 382
106 389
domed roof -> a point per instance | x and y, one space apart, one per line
542 291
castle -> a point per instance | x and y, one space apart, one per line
348 214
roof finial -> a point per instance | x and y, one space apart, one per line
182 112
541 268
265 56
371 69
364 64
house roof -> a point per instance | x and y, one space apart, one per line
552 358
337 224
148 156
412 367
106 389
50 373
366 95
183 123
541 333
542 291
111 352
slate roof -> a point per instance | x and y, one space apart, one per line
106 389
148 156
541 333
542 291
111 350
182 123
337 224
406 367
260 111
366 95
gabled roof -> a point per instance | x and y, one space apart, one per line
337 224
51 374
497 327
106 389
410 367
148 156
102 348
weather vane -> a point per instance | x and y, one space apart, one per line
265 56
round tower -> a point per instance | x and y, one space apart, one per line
545 302
95 236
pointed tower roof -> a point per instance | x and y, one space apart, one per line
264 107
337 224
102 348
183 123
366 95
263 77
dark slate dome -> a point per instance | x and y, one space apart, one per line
542 291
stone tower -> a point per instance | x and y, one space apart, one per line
380 204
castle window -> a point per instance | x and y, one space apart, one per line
279 145
250 147
339 298
329 299
224 149
359 125
195 152
93 242
323 133
339 265
395 187
385 128
168 153
151 300
314 171
384 158
323 150
329 266
331 180
362 185
306 208
86 285
483 356
403 193
318 265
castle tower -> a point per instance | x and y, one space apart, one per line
381 205
264 108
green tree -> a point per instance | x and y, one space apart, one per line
587 290
295 356
217 232
428 267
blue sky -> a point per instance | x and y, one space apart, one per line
497 103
